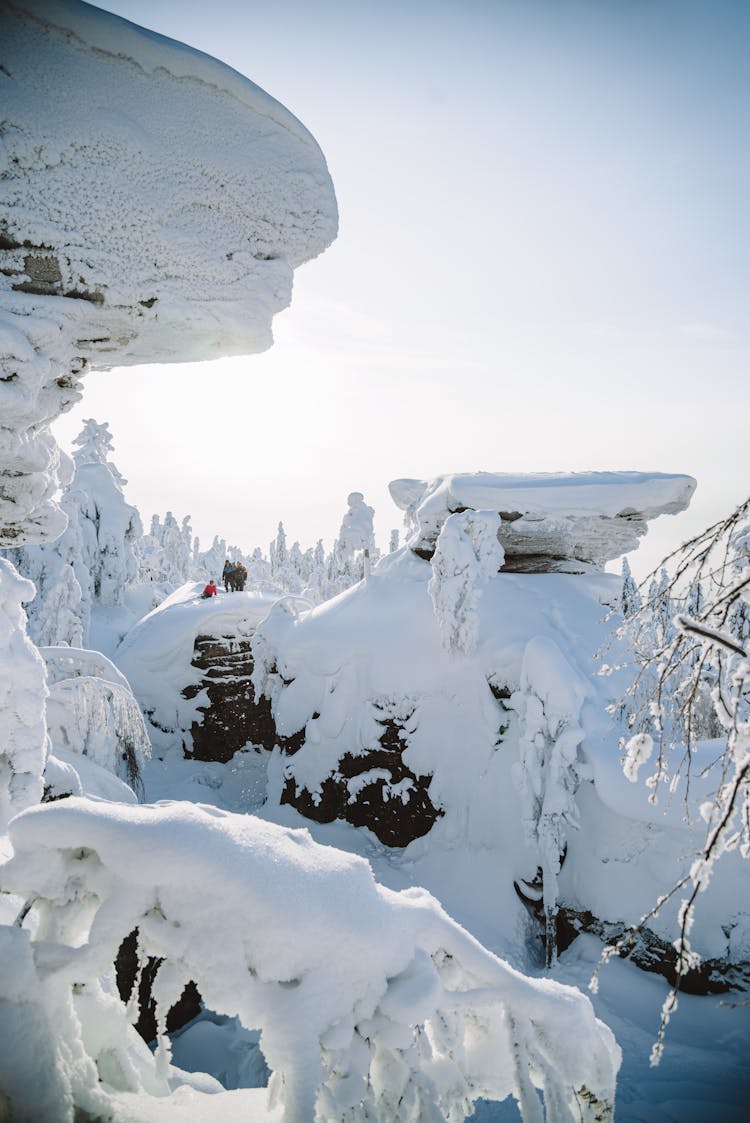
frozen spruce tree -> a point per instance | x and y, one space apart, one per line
354 549
467 554
549 770
109 525
279 553
630 598
210 562
23 690
57 616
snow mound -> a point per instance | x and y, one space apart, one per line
155 204
371 1003
548 520
157 654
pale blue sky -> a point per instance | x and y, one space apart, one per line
542 263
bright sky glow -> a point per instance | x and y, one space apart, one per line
542 263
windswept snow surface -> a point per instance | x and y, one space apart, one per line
589 516
369 1002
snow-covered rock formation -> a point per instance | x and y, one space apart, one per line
154 204
453 701
559 521
189 664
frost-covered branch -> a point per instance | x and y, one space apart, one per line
690 636
372 1004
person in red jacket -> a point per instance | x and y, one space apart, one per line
210 590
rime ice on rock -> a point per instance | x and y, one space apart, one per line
550 522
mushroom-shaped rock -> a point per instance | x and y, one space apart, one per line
550 521
153 205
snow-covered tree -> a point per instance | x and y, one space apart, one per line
211 562
23 690
57 614
705 585
394 1011
109 525
278 552
630 598
549 771
97 555
467 554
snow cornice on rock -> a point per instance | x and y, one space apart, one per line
550 521
153 206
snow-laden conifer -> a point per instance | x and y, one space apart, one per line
467 554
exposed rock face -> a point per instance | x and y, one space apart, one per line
189 663
645 948
373 789
550 522
232 716
153 205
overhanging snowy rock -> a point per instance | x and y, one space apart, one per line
553 521
153 205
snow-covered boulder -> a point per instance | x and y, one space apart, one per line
154 205
552 521
190 665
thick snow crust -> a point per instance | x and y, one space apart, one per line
371 1003
589 517
154 204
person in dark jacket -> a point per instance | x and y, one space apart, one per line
227 575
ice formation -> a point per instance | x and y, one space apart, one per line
372 1004
549 521
154 204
